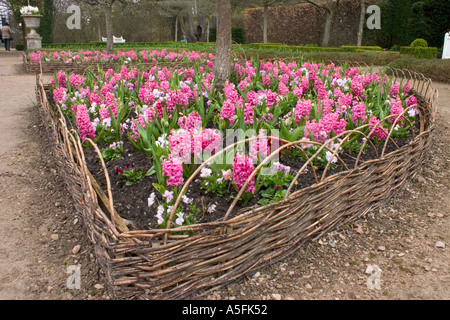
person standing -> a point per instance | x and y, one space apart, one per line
6 35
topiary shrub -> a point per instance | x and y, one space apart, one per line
420 52
419 43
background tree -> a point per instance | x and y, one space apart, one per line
192 16
107 9
265 4
437 17
362 18
46 27
330 6
222 62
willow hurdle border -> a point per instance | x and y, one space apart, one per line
164 264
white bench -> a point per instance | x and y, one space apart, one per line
115 39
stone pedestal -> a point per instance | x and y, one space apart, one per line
33 44
446 50
32 22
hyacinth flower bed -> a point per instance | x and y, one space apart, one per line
156 130
119 57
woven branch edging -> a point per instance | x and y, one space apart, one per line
137 264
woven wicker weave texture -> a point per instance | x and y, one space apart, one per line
159 264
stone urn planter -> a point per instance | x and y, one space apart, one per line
32 22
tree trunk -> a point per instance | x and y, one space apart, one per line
201 34
176 29
207 29
222 64
187 32
361 23
331 9
265 14
109 29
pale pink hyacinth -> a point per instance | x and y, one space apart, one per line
192 122
211 140
84 124
259 147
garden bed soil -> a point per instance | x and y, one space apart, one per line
131 201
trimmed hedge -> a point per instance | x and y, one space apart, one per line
310 48
420 52
360 49
436 69
237 35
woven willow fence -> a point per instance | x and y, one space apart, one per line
167 264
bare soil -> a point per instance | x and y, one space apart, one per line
42 235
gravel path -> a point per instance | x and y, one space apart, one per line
41 236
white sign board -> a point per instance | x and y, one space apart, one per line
446 50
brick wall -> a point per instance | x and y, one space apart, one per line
303 24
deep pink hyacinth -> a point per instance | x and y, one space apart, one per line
60 94
411 101
271 98
379 132
396 109
228 111
111 102
242 169
321 130
146 95
302 110
62 80
345 101
359 112
84 124
104 113
394 90
327 105
283 89
173 169
358 86
407 87
94 98
76 80
192 122
249 114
